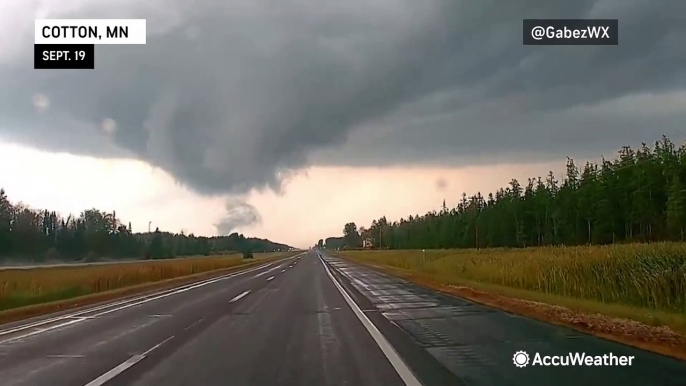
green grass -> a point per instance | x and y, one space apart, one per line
19 288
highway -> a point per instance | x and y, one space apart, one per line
96 263
84 264
305 320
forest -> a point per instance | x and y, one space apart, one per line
639 196
33 235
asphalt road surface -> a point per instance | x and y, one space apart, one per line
95 263
305 320
80 264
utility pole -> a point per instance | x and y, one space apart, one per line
380 239
149 222
477 236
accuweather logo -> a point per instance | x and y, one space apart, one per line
521 359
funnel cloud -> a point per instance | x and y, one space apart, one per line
232 96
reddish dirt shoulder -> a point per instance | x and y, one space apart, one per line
661 340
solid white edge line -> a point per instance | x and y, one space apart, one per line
239 297
72 315
398 364
126 303
101 380
132 303
42 330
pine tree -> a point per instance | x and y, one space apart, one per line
676 208
5 224
156 247
636 197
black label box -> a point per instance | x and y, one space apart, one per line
64 56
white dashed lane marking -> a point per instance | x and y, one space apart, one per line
239 297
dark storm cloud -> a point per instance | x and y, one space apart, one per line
229 96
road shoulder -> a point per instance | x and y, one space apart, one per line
425 366
658 339
474 340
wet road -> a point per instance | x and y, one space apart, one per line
305 320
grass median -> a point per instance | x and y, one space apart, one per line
630 293
31 292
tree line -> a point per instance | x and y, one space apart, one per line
27 234
640 196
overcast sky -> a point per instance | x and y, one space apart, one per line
285 119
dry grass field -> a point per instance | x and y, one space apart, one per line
641 275
24 287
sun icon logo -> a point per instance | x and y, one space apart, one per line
520 359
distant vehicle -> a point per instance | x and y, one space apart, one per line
248 255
